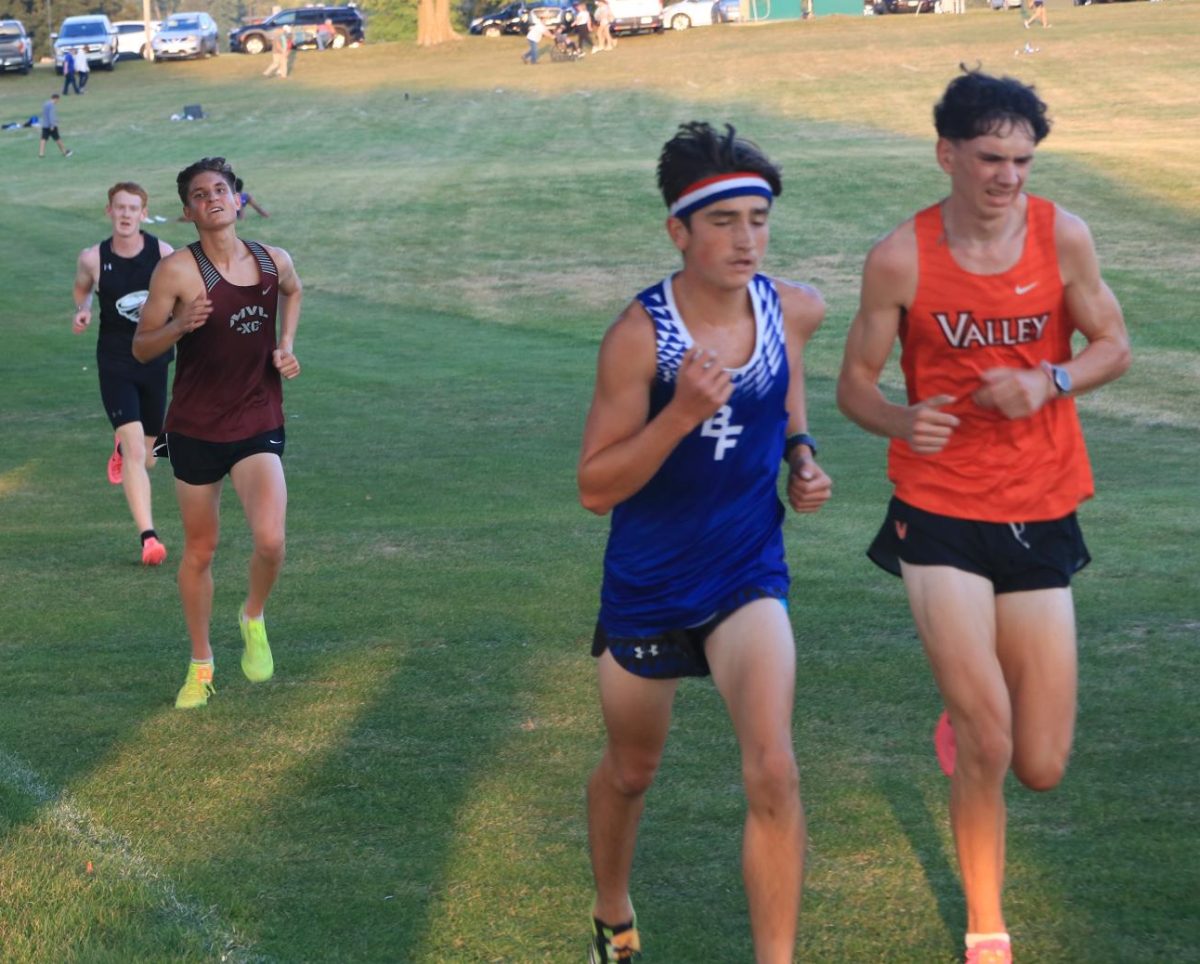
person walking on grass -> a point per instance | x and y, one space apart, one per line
118 269
699 398
50 128
83 70
1039 13
537 31
68 71
281 48
984 290
220 301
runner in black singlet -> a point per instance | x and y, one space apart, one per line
134 394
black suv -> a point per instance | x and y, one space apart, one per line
514 18
255 38
16 47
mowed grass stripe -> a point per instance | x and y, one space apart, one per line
112 855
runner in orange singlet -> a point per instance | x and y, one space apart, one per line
984 290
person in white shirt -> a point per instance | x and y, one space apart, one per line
537 31
82 70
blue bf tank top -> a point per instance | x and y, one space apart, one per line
708 524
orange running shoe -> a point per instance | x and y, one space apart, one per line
154 553
990 952
114 463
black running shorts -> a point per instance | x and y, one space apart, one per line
197 462
1014 556
675 652
133 392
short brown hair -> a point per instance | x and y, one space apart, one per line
129 187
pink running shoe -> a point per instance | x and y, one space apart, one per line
154 553
114 463
943 743
990 952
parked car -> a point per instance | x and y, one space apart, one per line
514 18
688 13
94 33
16 47
185 35
132 41
255 38
908 6
636 16
726 11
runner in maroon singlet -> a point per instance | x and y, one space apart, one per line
218 302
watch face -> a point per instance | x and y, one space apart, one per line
1062 381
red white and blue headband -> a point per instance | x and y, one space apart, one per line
719 188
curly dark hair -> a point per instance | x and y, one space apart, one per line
217 164
698 151
976 104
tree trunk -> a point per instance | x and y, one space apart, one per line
433 23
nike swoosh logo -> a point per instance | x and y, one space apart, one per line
275 441
1020 289
267 290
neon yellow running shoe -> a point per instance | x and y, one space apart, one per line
613 945
257 663
196 688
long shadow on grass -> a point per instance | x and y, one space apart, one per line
417 597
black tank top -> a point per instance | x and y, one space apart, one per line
124 284
226 385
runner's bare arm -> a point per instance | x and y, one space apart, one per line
808 486
87 271
1019 392
888 286
1094 309
621 449
289 311
177 304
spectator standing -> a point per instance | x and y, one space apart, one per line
604 19
583 26
83 70
281 46
69 73
50 127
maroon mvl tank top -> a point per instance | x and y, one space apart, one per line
226 387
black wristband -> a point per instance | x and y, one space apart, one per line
800 438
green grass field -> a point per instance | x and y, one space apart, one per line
409 787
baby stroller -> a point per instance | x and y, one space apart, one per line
565 46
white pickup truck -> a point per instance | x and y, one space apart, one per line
636 16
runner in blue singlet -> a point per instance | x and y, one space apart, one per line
699 399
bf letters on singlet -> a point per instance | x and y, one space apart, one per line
719 427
